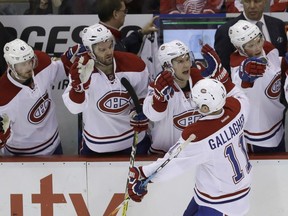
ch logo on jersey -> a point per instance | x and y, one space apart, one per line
114 102
39 110
274 88
184 119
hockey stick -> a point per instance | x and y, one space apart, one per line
174 152
138 108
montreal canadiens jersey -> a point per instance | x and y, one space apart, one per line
181 111
32 114
264 126
223 170
168 125
107 104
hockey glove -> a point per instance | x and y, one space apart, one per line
139 121
81 72
214 67
135 189
164 86
250 70
5 131
69 57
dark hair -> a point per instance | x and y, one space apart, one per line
105 9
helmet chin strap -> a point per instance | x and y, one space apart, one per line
93 56
16 75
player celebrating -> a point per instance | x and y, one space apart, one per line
255 67
169 104
27 112
95 91
218 150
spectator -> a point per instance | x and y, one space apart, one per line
5 37
169 104
77 6
236 6
217 150
27 112
273 30
190 6
112 15
256 68
95 91
43 6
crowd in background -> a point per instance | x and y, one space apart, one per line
134 7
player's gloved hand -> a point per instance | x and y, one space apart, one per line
69 57
139 121
5 131
250 70
81 72
164 86
214 67
136 190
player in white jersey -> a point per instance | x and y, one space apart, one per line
256 68
28 120
169 104
223 170
96 91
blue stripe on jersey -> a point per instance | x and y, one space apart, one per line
108 142
265 138
224 201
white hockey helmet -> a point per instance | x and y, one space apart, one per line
242 32
17 51
95 34
209 92
171 50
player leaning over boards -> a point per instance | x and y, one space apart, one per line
223 170
256 68
28 122
169 104
95 91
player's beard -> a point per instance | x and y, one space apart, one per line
106 61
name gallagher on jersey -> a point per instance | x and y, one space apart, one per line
227 134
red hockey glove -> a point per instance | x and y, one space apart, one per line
69 57
139 121
164 86
5 131
250 70
214 67
135 189
81 72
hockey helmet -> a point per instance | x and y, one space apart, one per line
209 92
242 32
170 50
17 51
95 34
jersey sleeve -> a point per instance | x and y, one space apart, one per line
191 155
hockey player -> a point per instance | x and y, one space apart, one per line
169 104
256 68
95 91
27 112
223 173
